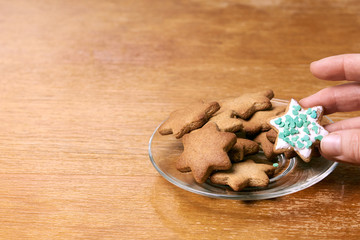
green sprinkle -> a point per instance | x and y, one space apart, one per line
300 144
306 123
309 143
319 137
313 114
294 139
289 118
309 111
303 117
315 128
278 121
307 131
299 124
296 108
295 112
287 139
287 132
292 125
282 124
281 135
276 165
293 131
305 138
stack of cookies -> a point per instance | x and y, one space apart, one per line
213 148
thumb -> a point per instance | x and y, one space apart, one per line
343 146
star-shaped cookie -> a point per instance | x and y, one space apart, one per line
205 150
244 174
299 129
247 104
186 119
260 120
227 121
266 146
242 148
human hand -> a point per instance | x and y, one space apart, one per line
343 142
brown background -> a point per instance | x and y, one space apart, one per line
83 84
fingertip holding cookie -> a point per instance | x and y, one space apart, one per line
299 129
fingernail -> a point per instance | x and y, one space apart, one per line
331 145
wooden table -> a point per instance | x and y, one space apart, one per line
85 83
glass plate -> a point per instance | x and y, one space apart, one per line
292 174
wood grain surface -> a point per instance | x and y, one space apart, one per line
85 83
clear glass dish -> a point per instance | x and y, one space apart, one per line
292 174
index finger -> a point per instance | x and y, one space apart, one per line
340 67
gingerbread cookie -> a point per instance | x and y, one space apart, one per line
205 150
299 129
246 105
271 135
189 118
244 174
227 121
260 120
242 148
266 146
290 154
